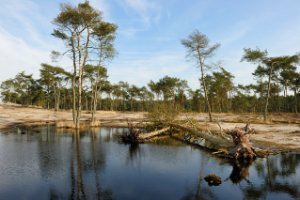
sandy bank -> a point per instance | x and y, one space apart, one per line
283 132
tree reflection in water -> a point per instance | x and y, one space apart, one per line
275 176
92 164
240 171
203 191
98 160
51 164
79 188
275 172
134 151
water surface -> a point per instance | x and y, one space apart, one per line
44 163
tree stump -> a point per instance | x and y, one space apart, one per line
213 179
242 147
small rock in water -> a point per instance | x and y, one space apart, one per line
213 179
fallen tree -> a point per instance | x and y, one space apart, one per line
238 148
231 143
152 134
136 134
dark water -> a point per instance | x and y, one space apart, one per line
46 164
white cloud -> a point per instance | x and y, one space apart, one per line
25 38
17 56
149 11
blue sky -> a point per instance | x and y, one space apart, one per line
149 34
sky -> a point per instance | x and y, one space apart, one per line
149 34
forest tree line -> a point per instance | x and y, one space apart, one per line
89 42
53 90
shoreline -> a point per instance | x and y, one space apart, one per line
282 134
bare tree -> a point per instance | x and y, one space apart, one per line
199 50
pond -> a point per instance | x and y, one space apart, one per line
45 163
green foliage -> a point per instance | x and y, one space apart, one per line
197 45
163 112
91 40
256 55
220 84
198 49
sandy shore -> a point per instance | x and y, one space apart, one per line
282 132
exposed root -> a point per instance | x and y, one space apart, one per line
242 147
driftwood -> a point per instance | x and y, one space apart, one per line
136 135
145 136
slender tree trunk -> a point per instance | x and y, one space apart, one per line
74 96
79 89
94 101
201 63
205 91
296 100
48 96
58 100
57 97
143 105
268 93
81 64
285 102
94 105
220 106
94 96
100 99
74 80
131 104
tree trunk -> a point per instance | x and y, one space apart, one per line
80 73
94 103
268 94
201 63
74 79
74 96
81 64
48 96
152 134
296 100
112 104
94 96
57 100
205 94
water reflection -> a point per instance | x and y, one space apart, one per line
279 175
240 172
82 162
134 151
45 163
